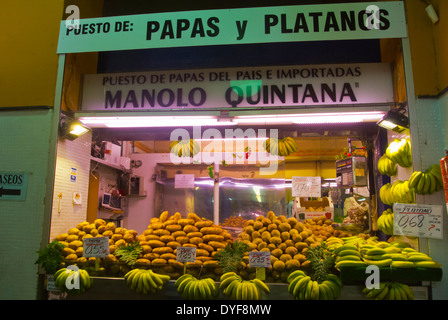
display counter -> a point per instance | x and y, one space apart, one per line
117 289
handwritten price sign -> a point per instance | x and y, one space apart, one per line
260 259
96 247
306 187
418 220
186 254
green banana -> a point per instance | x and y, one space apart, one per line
402 264
379 263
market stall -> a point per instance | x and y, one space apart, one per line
245 183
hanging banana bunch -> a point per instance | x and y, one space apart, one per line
281 147
185 148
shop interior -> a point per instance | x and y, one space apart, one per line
132 178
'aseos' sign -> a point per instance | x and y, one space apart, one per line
239 87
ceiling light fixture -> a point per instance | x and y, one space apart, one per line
396 121
70 128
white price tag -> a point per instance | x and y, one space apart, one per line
418 220
97 247
306 187
186 254
260 259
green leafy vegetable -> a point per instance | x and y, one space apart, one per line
50 257
128 253
229 258
321 261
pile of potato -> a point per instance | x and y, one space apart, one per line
73 241
164 234
287 239
234 222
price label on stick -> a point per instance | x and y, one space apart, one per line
260 259
186 254
97 247
418 220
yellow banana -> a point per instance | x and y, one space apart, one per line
293 282
85 278
183 285
300 286
251 290
146 287
294 274
230 290
139 288
228 280
309 287
314 294
427 264
263 286
334 288
324 294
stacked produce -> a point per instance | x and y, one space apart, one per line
72 280
234 222
385 222
427 182
287 239
419 259
303 287
348 255
235 287
192 288
399 151
398 192
165 233
389 291
387 166
378 255
382 254
282 147
72 241
185 148
334 243
145 281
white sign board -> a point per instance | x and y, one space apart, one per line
244 87
418 220
306 187
186 254
317 22
260 259
183 181
97 247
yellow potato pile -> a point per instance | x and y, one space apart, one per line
165 233
234 221
287 239
73 239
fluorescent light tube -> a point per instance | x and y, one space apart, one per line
349 117
134 122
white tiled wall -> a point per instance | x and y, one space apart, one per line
70 155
